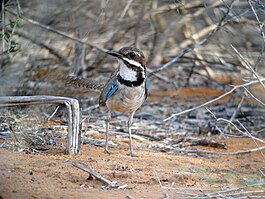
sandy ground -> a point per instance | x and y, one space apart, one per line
50 174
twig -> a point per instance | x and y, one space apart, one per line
96 175
231 123
58 32
252 137
175 188
248 65
235 112
262 35
199 151
3 25
43 44
215 99
254 97
19 10
54 112
14 134
197 44
261 172
138 28
125 9
202 193
90 108
78 62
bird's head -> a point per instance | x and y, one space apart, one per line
132 63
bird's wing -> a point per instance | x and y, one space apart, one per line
109 89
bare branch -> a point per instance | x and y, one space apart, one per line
59 32
215 99
197 44
249 66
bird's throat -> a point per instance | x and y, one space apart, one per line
130 77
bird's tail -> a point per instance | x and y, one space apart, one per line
78 81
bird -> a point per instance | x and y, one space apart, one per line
127 88
125 91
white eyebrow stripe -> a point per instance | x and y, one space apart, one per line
132 62
138 54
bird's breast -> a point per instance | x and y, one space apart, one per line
127 99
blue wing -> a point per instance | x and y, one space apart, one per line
110 88
146 88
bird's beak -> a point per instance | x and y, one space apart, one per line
115 54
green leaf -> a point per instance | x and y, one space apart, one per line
7 36
16 23
12 23
13 43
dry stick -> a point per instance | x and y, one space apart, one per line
252 137
204 195
261 172
231 123
197 44
19 10
125 9
253 96
199 151
138 28
95 174
172 188
215 99
248 65
175 6
262 34
43 44
54 112
246 131
14 134
155 38
235 112
3 25
58 32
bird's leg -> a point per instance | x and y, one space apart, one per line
130 134
107 132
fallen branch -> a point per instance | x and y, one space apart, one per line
96 175
207 193
201 142
199 151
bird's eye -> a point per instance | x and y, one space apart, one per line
132 55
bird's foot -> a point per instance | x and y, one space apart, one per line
134 155
107 151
